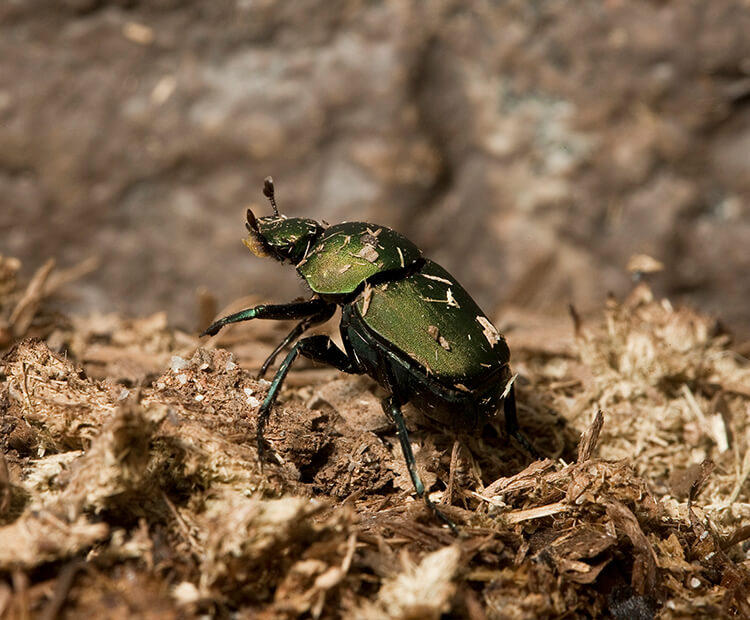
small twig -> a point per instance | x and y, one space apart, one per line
62 588
23 313
183 527
707 466
741 478
713 427
206 307
25 387
21 590
590 438
739 535
646 562
517 516
448 495
62 277
577 323
5 489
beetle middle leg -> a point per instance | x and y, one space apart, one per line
318 348
392 409
299 329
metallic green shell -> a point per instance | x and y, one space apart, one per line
349 253
430 317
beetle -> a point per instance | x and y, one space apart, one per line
405 321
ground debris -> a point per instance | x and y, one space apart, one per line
246 538
421 590
41 536
23 312
129 461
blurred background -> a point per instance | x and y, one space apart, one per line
530 147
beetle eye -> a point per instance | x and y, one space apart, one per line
252 224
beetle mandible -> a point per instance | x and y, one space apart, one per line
405 321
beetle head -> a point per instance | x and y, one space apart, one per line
278 236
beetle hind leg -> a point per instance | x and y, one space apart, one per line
511 424
393 411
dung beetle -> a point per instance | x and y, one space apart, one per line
405 321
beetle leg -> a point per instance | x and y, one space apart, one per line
294 310
393 411
511 424
322 316
318 348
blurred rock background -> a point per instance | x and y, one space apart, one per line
530 147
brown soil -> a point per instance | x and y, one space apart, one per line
131 486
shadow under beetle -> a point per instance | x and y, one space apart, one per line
405 322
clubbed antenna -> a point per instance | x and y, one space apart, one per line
268 192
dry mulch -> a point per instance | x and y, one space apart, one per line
130 484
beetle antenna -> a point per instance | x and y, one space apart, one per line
269 193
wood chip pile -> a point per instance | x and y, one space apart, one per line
130 484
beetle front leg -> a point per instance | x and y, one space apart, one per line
317 348
279 312
393 411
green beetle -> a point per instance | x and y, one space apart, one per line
405 321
